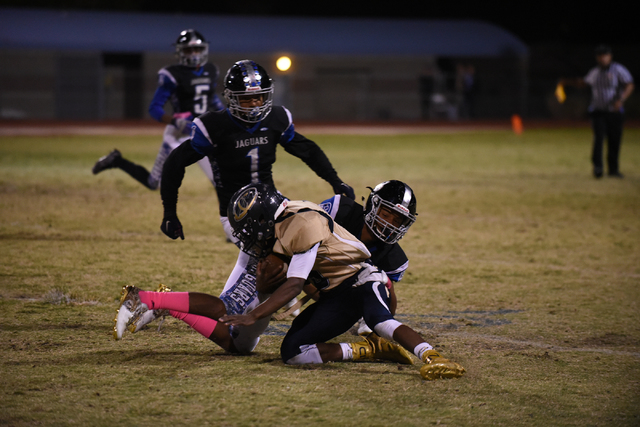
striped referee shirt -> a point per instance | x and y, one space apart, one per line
606 85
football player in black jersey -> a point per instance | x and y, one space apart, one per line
373 226
190 88
240 142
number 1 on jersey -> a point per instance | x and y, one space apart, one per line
253 154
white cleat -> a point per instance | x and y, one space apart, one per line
149 315
130 310
122 319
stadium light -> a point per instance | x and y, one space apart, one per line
283 63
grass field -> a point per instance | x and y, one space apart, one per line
524 269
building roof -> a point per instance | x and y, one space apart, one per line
137 32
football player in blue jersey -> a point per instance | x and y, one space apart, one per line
240 142
190 88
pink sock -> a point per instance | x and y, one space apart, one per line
178 301
203 325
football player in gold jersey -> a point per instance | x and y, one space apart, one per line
318 251
325 254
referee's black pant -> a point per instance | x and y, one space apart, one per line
606 124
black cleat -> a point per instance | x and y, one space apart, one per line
616 175
597 172
106 162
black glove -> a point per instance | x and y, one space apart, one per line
171 227
344 189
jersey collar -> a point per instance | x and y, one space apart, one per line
240 124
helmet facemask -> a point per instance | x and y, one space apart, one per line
192 54
387 221
250 114
248 91
257 238
252 214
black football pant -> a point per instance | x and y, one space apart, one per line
606 124
139 173
334 313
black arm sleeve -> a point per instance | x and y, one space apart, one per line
350 215
173 173
310 153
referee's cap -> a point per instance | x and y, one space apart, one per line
603 49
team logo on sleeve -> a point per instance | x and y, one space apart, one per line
244 203
326 206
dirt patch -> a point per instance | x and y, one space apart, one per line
610 339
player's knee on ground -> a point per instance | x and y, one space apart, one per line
305 354
291 348
288 349
246 338
246 347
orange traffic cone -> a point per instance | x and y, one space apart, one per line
516 124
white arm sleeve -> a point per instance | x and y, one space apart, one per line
302 264
238 270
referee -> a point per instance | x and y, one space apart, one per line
611 84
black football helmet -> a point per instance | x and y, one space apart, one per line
247 78
191 48
252 214
398 198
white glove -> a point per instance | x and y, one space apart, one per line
183 125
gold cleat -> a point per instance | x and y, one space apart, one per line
163 288
437 367
361 350
386 350
374 347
